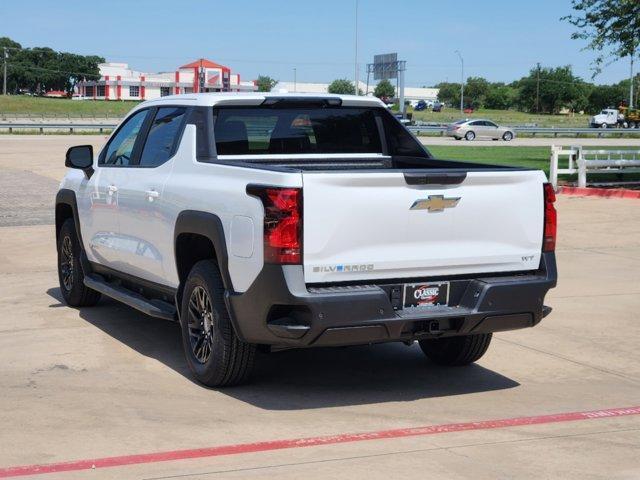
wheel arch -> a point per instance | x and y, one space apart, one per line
199 236
67 207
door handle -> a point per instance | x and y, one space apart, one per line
112 189
152 194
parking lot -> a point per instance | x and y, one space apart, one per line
106 386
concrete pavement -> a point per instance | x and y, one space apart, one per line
108 381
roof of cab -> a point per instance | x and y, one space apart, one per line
254 98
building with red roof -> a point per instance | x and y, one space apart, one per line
119 82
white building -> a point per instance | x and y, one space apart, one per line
119 82
411 94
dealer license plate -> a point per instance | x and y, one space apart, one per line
426 294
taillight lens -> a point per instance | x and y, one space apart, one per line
282 223
550 219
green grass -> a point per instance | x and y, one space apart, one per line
37 106
505 117
530 157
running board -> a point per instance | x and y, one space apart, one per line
154 308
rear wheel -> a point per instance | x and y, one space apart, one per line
604 125
507 137
215 354
469 136
455 351
70 274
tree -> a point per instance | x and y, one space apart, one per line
42 69
265 83
342 86
500 96
475 91
610 27
449 93
548 90
384 89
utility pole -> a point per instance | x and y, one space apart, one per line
5 57
295 74
461 81
538 89
355 76
630 87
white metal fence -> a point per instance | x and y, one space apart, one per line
584 161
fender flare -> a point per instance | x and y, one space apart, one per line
210 226
67 197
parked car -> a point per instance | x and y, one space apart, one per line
336 227
472 129
420 106
438 106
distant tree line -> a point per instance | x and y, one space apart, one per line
39 70
543 90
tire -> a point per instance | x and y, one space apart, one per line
456 351
458 138
70 274
469 136
507 137
604 125
214 353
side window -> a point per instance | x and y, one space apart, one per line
120 148
163 136
477 123
489 124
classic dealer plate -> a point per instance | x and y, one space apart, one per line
426 294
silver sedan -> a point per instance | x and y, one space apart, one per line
472 129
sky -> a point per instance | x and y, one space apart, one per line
498 39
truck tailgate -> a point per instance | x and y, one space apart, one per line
361 226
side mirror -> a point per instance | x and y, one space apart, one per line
80 157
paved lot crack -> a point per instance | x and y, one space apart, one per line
577 362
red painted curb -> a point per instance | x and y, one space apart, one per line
224 450
600 192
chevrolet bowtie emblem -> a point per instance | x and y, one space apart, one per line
435 203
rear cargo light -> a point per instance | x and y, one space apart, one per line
282 223
550 219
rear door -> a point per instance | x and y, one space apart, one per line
145 221
361 226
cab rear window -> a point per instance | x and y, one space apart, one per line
329 130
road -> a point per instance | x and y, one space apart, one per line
80 385
533 142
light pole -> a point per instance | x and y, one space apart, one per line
630 83
295 79
355 60
5 59
461 81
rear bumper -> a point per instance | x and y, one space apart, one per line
279 309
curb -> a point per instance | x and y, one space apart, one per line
600 192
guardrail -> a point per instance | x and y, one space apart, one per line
416 129
588 161
533 131
71 127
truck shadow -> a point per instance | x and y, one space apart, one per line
307 378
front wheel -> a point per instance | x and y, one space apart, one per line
469 136
507 137
214 353
70 274
604 125
456 351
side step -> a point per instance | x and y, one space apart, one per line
154 308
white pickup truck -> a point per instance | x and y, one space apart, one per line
276 221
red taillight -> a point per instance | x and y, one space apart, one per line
282 223
456 127
550 219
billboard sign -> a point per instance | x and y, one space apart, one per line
385 66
